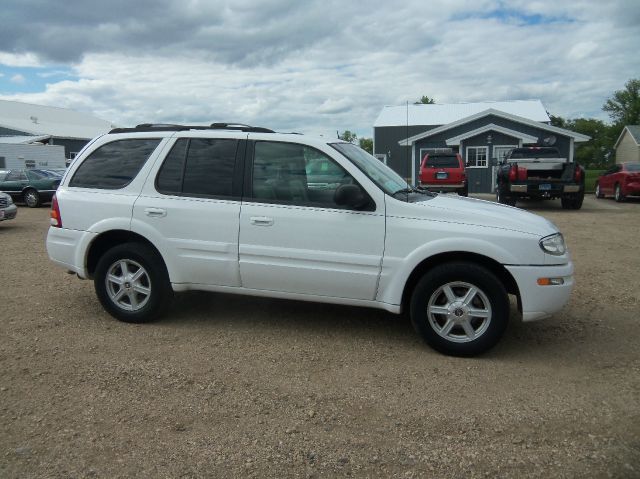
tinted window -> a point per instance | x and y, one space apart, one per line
209 169
450 161
114 165
633 166
199 167
297 174
170 175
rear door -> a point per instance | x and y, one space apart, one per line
190 205
294 238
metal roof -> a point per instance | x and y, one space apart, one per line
48 120
578 137
23 140
442 114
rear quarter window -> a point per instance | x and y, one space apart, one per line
114 165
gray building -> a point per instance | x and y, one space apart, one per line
481 132
70 129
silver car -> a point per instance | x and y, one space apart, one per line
8 210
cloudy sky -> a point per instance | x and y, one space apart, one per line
312 66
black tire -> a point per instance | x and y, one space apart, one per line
31 198
617 194
134 306
503 198
463 192
459 277
598 193
573 201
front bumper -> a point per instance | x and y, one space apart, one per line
537 301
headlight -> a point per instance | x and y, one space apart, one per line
9 200
553 244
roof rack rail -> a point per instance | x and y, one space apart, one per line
148 127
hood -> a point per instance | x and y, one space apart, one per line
472 211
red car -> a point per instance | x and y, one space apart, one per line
620 180
444 172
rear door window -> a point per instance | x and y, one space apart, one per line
200 167
114 165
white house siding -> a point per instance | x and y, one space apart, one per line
44 156
627 149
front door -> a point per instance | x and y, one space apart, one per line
294 238
478 171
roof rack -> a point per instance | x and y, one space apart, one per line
149 127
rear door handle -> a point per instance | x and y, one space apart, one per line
155 212
261 220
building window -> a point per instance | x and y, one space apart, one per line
476 156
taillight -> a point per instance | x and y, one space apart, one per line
56 219
522 173
513 173
578 174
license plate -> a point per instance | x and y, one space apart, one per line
544 186
442 175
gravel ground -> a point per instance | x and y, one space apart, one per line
230 386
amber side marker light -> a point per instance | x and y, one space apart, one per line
550 281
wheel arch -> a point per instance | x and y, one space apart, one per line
459 256
107 240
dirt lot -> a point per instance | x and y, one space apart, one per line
229 386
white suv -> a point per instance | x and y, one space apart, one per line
149 210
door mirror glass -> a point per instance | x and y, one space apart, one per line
351 196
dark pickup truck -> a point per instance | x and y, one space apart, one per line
540 173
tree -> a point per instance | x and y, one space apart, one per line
624 106
425 100
347 135
557 121
367 145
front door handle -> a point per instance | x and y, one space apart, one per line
155 212
261 221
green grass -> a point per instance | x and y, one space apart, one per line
590 180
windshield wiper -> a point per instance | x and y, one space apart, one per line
410 189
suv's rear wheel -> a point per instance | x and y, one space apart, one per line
460 308
132 283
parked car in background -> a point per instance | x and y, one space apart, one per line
620 181
444 172
8 209
540 173
32 186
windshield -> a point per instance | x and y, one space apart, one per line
383 176
633 166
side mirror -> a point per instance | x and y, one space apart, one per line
351 196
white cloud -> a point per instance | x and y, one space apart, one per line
19 60
318 67
18 79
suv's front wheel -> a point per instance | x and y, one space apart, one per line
132 283
460 308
